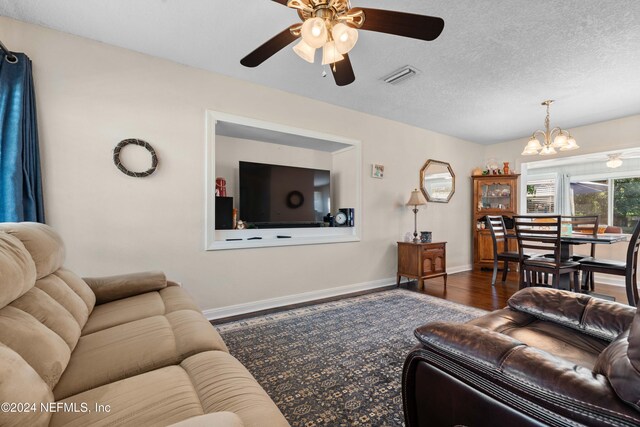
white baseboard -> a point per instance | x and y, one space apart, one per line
251 307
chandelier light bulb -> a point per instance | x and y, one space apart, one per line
304 51
330 54
314 32
571 145
547 150
560 141
345 37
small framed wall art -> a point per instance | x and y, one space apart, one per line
377 171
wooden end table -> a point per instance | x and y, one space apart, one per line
422 261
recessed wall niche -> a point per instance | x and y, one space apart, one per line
234 139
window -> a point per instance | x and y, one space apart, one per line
541 195
591 198
626 203
615 200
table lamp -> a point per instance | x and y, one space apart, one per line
416 199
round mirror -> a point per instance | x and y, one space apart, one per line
437 181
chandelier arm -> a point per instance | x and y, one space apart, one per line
540 132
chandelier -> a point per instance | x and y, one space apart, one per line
551 139
325 26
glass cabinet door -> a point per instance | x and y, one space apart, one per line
494 196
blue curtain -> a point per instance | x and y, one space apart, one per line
20 179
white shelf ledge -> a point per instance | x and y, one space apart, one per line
269 237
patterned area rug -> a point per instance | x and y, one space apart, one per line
339 363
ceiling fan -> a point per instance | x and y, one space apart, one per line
332 25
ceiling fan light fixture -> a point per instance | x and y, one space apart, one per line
344 37
330 54
314 32
614 161
304 51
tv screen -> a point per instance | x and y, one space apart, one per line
283 196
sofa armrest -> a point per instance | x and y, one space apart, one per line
530 380
113 288
602 319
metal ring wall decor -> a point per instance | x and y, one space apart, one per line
145 144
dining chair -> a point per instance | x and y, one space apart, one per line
628 268
542 233
501 250
585 224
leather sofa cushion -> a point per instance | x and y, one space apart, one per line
42 242
592 316
620 363
134 348
168 300
22 384
217 419
17 269
208 382
555 339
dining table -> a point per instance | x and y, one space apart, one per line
568 240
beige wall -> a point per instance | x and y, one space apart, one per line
90 96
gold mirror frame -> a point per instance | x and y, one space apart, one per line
423 175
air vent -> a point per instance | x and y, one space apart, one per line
401 75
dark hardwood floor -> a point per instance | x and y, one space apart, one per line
473 288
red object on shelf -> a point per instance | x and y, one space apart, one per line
221 187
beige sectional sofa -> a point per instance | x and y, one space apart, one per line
124 350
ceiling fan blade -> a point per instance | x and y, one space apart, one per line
402 24
343 73
269 48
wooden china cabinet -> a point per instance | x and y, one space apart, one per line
492 195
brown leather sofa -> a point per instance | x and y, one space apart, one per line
124 350
550 358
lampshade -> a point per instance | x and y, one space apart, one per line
547 150
416 199
571 145
305 51
560 141
529 152
330 54
314 32
345 37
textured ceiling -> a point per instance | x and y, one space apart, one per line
482 80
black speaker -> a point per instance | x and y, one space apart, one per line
224 213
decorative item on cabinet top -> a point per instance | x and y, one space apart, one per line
437 181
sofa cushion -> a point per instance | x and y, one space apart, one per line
208 382
217 419
136 347
19 383
44 245
551 337
620 363
114 313
17 269
38 345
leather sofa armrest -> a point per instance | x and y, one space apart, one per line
602 319
216 419
551 383
113 288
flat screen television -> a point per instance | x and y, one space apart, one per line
274 196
